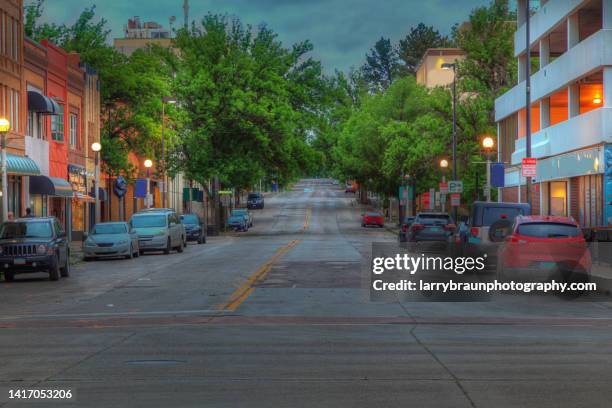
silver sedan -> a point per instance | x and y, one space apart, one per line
111 240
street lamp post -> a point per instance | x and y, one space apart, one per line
96 147
453 66
165 100
443 166
488 143
5 126
148 163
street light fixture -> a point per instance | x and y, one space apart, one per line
443 166
453 66
170 100
5 126
148 164
487 144
96 147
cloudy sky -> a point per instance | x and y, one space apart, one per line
342 31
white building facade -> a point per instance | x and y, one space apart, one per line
571 111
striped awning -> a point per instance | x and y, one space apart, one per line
21 166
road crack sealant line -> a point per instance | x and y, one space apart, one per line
245 290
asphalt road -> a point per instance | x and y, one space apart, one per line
279 317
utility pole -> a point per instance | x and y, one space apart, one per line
527 98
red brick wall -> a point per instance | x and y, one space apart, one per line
510 194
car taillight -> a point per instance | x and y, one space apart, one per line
475 231
404 227
516 240
450 227
418 226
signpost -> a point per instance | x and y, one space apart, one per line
455 199
455 187
528 168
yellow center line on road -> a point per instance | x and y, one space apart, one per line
245 290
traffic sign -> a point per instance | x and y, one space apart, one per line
455 199
455 186
226 192
443 188
529 166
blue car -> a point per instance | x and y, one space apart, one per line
237 223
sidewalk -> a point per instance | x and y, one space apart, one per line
76 252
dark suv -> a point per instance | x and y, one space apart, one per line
193 228
34 245
255 200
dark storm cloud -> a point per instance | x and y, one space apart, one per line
342 31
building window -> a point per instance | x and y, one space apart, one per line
590 200
57 125
35 125
508 133
73 130
558 198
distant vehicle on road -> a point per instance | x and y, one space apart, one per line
159 230
375 218
245 213
30 245
431 226
405 224
111 239
237 223
542 247
255 200
194 228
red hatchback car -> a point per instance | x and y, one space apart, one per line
373 218
545 244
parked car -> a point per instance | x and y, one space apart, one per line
350 189
245 213
237 223
110 239
30 245
194 228
431 226
159 230
485 215
541 246
404 225
255 200
375 218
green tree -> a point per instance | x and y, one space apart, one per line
382 65
413 46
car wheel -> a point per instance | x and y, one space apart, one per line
402 238
168 247
9 276
87 259
65 271
181 247
363 225
54 271
131 255
137 254
141 252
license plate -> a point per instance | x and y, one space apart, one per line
19 261
435 229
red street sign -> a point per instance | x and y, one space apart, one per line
425 199
443 188
529 167
455 199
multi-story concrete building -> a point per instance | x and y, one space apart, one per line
429 72
139 35
571 111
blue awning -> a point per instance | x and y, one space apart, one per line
21 166
51 186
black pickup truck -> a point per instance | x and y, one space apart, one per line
30 245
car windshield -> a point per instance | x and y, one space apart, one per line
149 221
253 196
431 219
548 230
239 212
236 218
16 230
492 214
110 229
190 219
374 214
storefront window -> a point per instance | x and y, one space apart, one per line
558 198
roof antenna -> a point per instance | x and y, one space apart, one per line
186 11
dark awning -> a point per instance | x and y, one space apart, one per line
51 186
40 103
101 194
